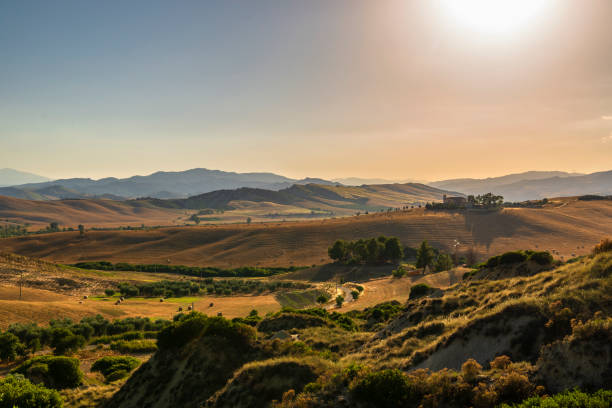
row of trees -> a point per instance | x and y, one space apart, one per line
225 287
208 271
370 251
488 200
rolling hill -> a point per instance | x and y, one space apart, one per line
534 185
91 212
568 226
298 201
335 198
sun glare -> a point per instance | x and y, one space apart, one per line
498 17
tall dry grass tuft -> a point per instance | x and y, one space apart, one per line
604 246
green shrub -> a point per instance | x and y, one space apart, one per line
109 292
134 346
541 258
195 325
399 272
492 262
385 389
569 399
512 257
56 372
115 367
419 290
16 391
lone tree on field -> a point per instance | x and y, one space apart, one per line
81 229
425 256
339 300
322 299
248 220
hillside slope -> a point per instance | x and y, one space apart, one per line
298 201
478 343
100 213
567 226
340 199
534 185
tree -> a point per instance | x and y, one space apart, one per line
322 299
355 294
10 346
444 263
376 250
81 229
393 250
425 255
339 300
248 220
337 251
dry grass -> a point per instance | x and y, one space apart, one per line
569 229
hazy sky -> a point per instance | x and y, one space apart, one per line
320 88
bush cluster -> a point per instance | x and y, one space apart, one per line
66 336
514 257
115 367
470 387
377 314
194 325
420 290
568 399
16 391
56 372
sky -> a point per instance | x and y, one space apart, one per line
394 89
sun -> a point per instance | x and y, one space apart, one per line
496 17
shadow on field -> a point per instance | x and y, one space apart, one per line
330 272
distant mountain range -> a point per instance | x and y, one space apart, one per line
534 185
358 181
195 182
158 185
11 177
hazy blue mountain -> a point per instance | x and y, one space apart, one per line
12 177
359 181
158 185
